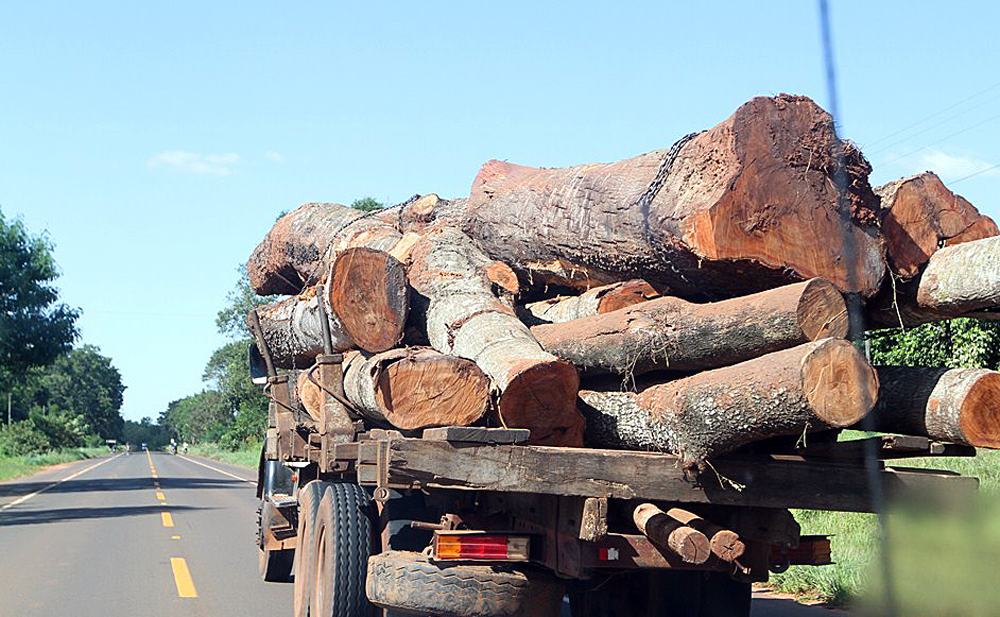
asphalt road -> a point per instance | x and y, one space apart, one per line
114 537
150 534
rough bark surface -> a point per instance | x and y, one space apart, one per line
670 333
736 209
963 278
920 216
959 405
691 545
293 330
819 385
300 247
466 318
594 301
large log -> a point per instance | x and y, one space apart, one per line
958 281
466 318
747 205
366 307
818 385
921 216
302 244
594 301
670 333
960 405
409 389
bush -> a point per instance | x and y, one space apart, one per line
22 438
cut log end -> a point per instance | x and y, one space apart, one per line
980 412
727 546
838 382
822 311
690 544
431 389
543 398
626 294
368 294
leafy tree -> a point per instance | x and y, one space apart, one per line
22 438
955 343
145 432
367 204
231 320
84 384
34 327
196 417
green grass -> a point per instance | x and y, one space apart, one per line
246 457
19 466
942 558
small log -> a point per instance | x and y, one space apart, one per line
293 331
409 389
745 206
673 334
724 543
960 405
921 216
962 279
302 244
819 385
594 301
465 317
688 543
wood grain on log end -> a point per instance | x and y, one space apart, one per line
690 544
979 411
503 277
838 382
541 396
822 311
424 388
727 546
367 290
626 294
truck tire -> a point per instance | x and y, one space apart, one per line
407 581
340 545
273 566
309 496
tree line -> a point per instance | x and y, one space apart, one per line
52 394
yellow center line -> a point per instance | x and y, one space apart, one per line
175 537
182 578
160 496
168 521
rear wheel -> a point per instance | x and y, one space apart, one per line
309 497
341 544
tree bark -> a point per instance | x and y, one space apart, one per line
464 317
745 206
670 333
819 385
594 301
921 216
366 307
293 330
302 244
410 389
960 405
959 281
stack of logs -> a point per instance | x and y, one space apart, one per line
691 300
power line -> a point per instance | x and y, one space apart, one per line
935 125
945 138
973 175
935 114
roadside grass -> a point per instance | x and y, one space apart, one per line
245 457
942 553
19 466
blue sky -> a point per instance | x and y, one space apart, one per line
156 144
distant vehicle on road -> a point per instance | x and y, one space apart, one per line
144 446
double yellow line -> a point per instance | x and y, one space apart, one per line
182 575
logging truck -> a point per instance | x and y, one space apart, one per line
473 521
